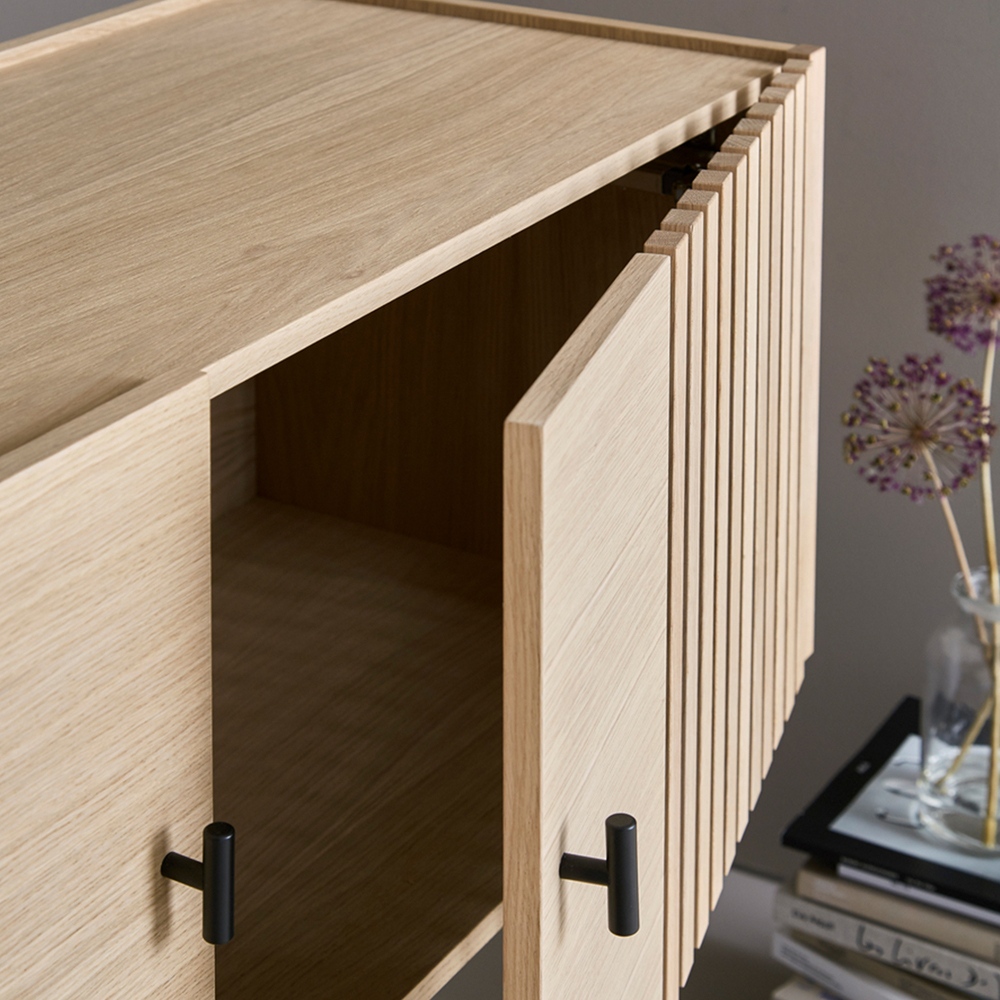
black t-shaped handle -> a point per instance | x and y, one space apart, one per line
619 872
213 876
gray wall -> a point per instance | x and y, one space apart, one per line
913 160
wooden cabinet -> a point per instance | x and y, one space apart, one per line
407 455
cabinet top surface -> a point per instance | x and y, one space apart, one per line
216 184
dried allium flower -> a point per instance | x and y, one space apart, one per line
963 304
915 420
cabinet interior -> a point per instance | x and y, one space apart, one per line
357 587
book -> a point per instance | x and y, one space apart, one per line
853 976
909 890
888 945
798 988
866 822
817 882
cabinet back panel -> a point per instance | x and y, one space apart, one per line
397 420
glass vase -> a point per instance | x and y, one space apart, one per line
957 722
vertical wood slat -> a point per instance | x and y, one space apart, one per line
746 164
810 61
791 88
677 247
714 589
699 638
747 485
789 95
765 532
750 134
750 623
778 413
730 185
709 183
742 578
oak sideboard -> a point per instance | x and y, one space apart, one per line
408 427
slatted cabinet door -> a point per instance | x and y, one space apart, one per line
105 700
585 597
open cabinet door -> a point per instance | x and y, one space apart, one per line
105 712
585 664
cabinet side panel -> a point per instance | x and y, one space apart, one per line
105 752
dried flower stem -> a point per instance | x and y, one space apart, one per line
970 737
956 539
989 534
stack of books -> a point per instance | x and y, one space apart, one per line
856 942
884 910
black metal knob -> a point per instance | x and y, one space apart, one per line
619 872
213 876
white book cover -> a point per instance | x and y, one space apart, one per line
889 945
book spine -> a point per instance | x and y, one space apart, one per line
895 883
844 982
920 919
888 945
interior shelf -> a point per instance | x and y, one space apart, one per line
357 715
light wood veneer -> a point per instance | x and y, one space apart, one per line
364 170
105 755
512 526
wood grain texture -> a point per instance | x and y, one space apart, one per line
677 880
813 64
765 537
748 148
224 186
396 421
105 754
778 409
585 585
599 27
89 29
744 426
792 86
234 448
791 289
732 319
698 640
358 753
715 528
